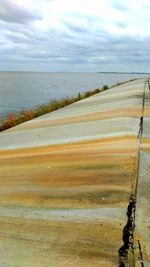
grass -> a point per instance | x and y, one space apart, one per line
13 119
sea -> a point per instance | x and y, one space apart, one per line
23 90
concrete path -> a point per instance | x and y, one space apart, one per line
66 179
142 219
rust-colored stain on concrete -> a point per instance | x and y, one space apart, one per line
65 182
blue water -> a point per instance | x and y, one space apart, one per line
21 90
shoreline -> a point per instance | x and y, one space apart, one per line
13 119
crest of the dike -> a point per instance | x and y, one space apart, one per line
142 214
74 183
136 237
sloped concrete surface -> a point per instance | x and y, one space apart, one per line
66 179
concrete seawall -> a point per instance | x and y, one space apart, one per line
66 179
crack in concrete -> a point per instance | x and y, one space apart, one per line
126 252
128 235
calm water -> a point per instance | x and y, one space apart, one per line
21 90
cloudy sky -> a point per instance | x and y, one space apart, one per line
75 35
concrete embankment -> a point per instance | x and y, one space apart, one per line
66 179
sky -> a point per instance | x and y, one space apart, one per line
75 35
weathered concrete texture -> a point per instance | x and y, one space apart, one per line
65 182
142 232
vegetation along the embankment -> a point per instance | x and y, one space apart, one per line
13 119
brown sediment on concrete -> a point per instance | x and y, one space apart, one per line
127 143
60 241
126 112
79 174
147 112
145 144
64 204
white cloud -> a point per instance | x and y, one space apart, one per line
75 33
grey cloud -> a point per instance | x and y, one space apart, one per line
121 25
17 37
10 12
121 6
73 47
77 25
75 28
111 50
15 28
